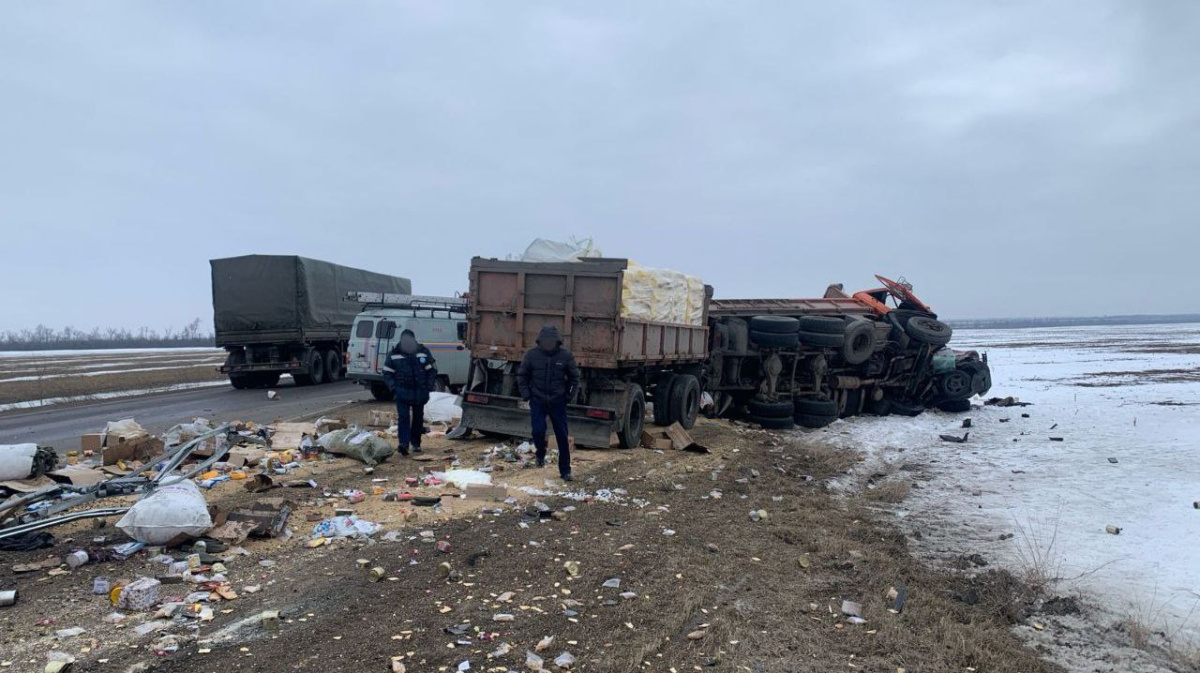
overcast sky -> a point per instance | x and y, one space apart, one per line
1007 158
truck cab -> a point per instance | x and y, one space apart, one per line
439 323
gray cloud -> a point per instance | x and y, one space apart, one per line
1010 159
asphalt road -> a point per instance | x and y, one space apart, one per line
61 427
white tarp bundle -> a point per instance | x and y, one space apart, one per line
542 250
662 295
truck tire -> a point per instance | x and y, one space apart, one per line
761 409
822 340
635 416
903 315
773 423
820 324
333 366
774 340
955 385
239 381
981 376
685 401
809 406
774 324
955 406
927 330
381 392
879 407
858 342
316 369
903 409
814 422
662 399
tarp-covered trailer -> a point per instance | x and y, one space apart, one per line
635 332
278 314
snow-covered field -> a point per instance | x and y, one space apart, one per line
1129 393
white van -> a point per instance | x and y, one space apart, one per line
376 330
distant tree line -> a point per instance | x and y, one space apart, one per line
69 338
1024 323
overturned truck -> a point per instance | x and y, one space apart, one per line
653 338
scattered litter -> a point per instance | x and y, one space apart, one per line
1112 530
955 440
564 660
851 608
346 526
614 583
1114 461
533 661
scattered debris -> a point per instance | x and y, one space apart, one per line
1112 530
955 440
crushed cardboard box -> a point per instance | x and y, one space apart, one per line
672 437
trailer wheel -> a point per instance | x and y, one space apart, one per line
685 400
635 416
955 385
808 406
822 340
858 342
814 422
928 330
822 324
774 324
774 423
761 409
662 399
774 340
333 366
381 392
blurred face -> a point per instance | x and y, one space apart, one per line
547 345
408 343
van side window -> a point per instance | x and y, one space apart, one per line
364 329
386 330
462 331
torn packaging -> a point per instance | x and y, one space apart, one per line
138 448
269 516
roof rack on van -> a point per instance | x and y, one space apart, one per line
390 300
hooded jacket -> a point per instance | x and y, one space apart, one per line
411 377
548 377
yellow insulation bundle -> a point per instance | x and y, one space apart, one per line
662 295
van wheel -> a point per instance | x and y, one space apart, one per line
635 416
381 392
685 401
333 366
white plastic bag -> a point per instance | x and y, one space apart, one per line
186 432
442 408
16 461
126 427
169 512
542 250
461 478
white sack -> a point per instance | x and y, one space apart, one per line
170 511
442 408
16 460
542 250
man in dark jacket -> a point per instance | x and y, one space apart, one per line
548 379
411 374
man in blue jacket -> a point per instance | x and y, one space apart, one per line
411 374
548 379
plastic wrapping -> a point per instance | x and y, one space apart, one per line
358 444
185 432
346 526
662 295
463 478
16 461
543 250
442 408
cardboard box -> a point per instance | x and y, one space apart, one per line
93 441
143 448
486 492
242 456
77 475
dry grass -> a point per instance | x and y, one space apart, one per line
1150 629
1039 556
892 491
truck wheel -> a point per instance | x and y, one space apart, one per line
822 324
266 380
774 340
239 381
685 401
879 408
809 406
773 423
910 410
955 406
333 366
316 369
635 416
662 399
903 315
955 385
928 330
762 409
381 392
774 324
822 340
814 422
858 342
981 376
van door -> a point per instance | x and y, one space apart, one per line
360 349
386 334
